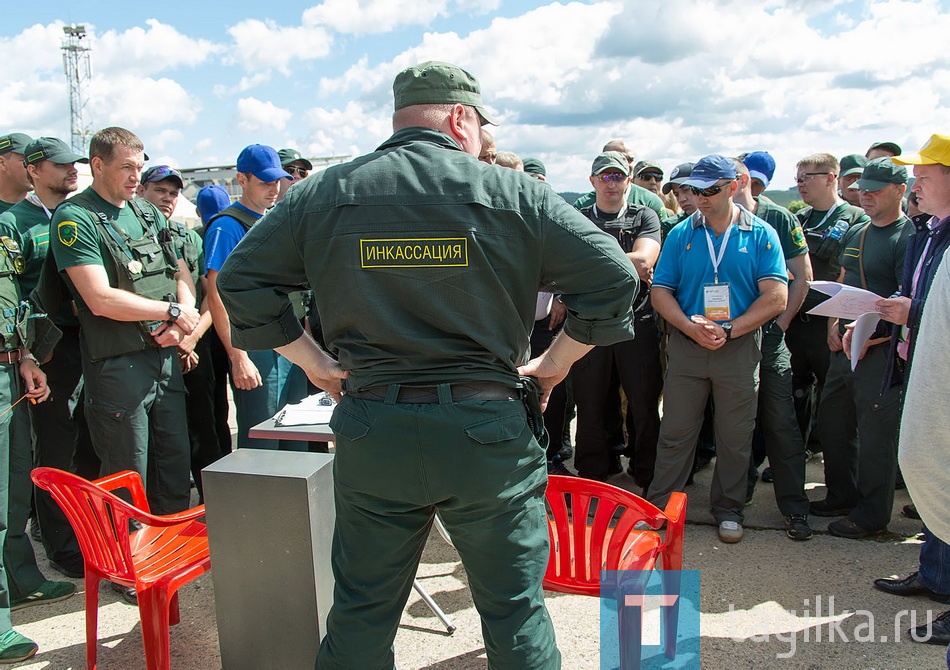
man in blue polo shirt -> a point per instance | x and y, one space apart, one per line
720 277
263 381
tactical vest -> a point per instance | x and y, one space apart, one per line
146 266
189 253
16 316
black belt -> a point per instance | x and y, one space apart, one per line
429 395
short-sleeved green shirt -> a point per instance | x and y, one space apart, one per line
28 225
883 255
75 238
786 225
4 206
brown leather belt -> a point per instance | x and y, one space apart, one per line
429 395
10 357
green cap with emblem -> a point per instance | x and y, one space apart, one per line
14 142
434 83
852 164
610 160
879 173
50 149
288 156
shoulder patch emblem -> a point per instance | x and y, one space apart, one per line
67 232
798 236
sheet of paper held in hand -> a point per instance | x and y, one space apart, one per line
850 303
312 410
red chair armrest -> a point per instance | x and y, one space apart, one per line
127 479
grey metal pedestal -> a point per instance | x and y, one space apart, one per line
270 522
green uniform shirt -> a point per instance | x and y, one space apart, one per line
824 252
785 224
28 224
882 254
425 266
4 206
666 225
636 195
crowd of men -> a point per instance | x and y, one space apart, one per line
718 334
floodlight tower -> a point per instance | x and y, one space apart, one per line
78 67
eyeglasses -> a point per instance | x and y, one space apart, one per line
290 169
808 176
611 176
710 191
651 176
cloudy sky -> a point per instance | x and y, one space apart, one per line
678 79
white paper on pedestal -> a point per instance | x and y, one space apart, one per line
312 410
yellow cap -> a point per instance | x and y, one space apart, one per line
935 152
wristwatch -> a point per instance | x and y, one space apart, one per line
727 328
174 311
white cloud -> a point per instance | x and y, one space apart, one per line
262 46
138 104
255 115
147 51
367 17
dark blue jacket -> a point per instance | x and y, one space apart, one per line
915 249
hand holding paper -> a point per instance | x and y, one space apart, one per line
849 302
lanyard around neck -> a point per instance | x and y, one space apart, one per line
716 260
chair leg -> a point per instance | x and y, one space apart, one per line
91 581
671 584
153 613
630 617
174 615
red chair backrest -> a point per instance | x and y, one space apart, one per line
590 526
99 518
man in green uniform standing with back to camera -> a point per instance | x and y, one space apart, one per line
438 260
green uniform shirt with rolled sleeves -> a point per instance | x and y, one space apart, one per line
133 393
28 224
425 266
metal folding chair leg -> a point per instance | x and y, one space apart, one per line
434 606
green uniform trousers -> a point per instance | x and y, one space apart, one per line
21 576
858 428
731 375
135 409
783 441
807 340
477 464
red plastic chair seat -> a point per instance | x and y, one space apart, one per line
165 552
591 527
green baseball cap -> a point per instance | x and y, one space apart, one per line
288 156
647 166
434 82
608 160
50 149
879 173
534 166
14 142
852 164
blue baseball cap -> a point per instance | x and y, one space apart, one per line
211 200
761 166
263 162
710 169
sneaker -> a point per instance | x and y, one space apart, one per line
767 476
848 529
556 467
730 532
49 592
797 528
15 647
127 592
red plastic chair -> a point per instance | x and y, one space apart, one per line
163 555
591 526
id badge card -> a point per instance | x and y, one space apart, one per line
716 302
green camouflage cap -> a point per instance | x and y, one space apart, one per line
879 173
610 159
434 83
14 142
534 166
50 149
288 156
853 164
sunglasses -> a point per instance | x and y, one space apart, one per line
710 191
159 172
291 170
652 176
611 176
